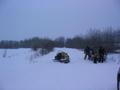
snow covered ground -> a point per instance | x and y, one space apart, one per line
20 69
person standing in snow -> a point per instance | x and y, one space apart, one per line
102 53
95 56
87 52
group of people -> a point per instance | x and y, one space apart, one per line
96 55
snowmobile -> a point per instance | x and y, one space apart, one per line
62 57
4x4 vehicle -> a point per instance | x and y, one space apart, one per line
62 57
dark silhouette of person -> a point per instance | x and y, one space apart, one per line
87 52
102 53
95 56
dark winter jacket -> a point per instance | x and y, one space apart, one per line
101 51
87 50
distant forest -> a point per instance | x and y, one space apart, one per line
109 38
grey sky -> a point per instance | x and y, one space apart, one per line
20 19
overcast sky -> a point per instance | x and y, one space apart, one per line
20 19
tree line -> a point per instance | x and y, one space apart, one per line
109 38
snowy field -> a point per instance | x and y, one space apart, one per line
20 69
